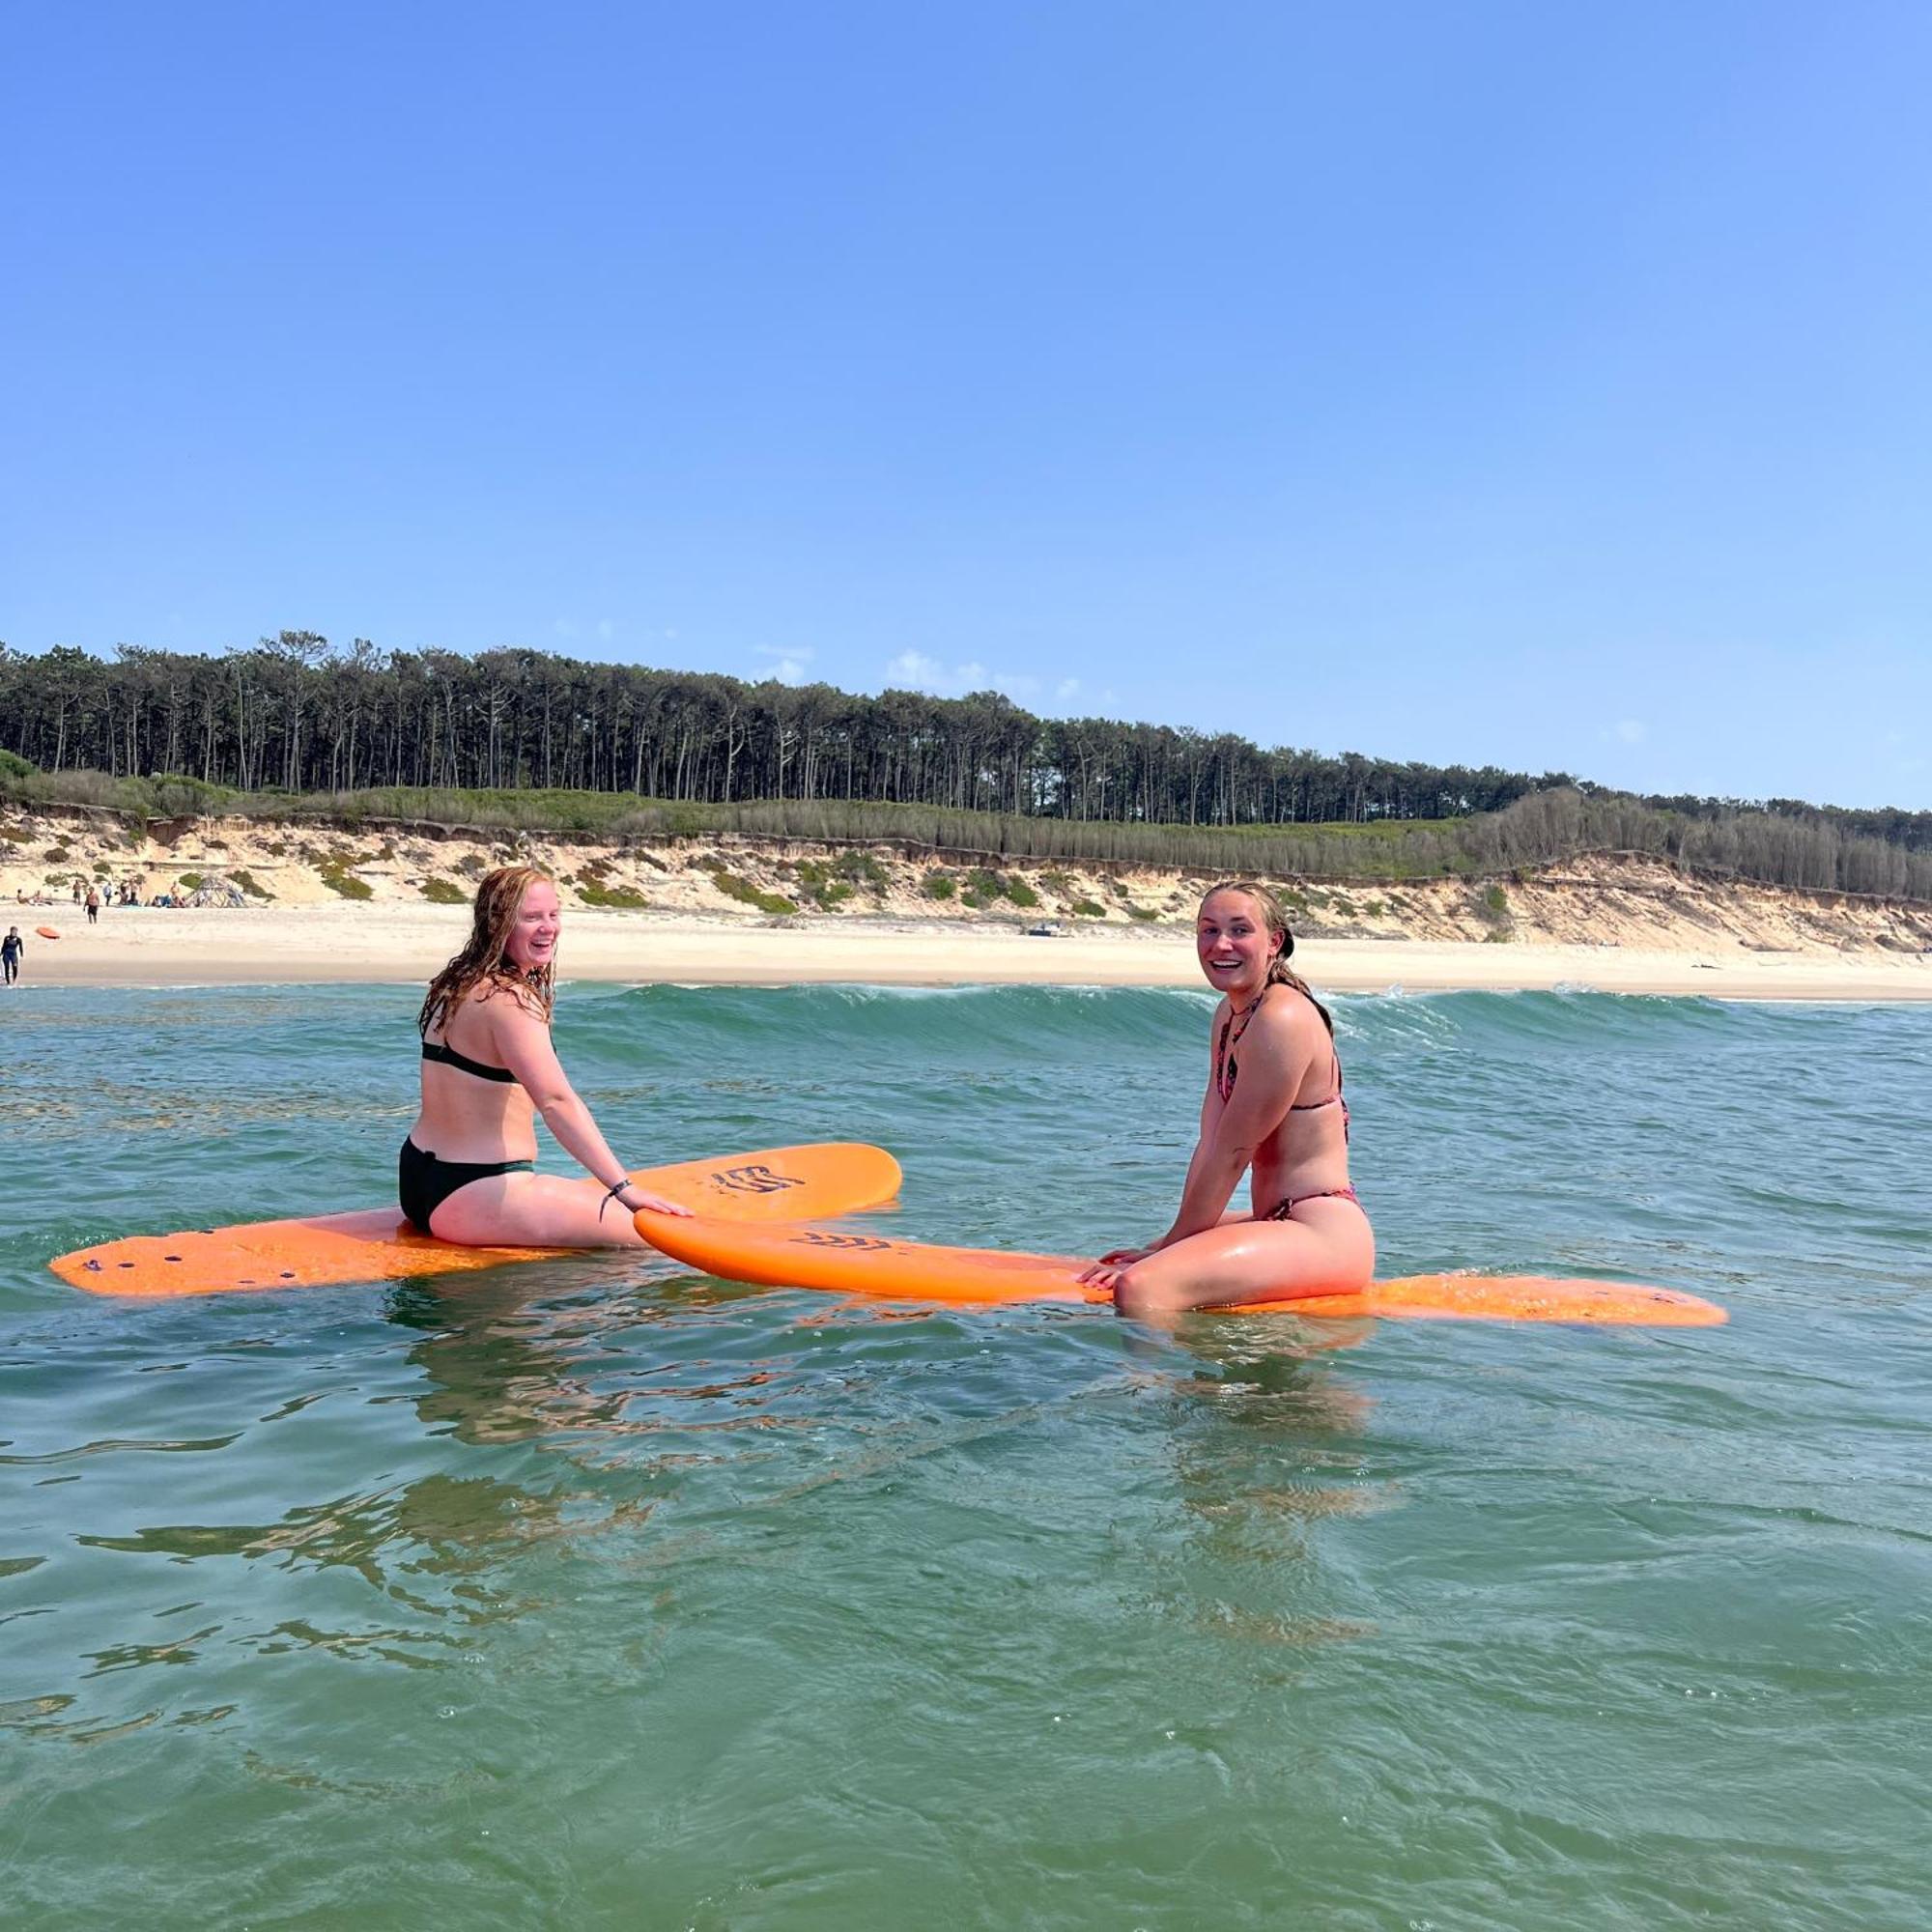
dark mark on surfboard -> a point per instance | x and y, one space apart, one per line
755 1180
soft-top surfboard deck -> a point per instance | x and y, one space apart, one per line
377 1244
854 1261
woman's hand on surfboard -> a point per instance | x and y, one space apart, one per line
641 1202
1104 1273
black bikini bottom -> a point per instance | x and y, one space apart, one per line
423 1183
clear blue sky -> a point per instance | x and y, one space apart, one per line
1534 384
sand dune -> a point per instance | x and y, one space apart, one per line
325 904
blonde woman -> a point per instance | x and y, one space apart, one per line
467 1172
1273 1109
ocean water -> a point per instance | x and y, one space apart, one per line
594 1593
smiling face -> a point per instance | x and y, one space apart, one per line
1234 944
532 941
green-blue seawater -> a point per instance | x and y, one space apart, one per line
591 1593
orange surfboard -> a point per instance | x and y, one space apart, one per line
46 932
377 1244
857 1262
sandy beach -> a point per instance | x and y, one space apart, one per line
320 906
399 942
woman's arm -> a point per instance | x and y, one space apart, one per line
1126 1257
1274 1061
523 1039
1206 1181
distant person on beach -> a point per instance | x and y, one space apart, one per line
93 906
467 1172
10 950
1273 1108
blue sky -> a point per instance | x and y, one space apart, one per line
1537 384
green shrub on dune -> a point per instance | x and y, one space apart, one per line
746 894
822 884
620 899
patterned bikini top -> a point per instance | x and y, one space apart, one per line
1227 1068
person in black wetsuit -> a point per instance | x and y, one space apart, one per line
11 948
467 1172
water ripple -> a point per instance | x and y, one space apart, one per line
590 1591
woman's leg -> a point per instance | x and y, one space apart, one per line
1327 1248
534 1210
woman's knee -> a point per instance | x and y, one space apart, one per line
1147 1290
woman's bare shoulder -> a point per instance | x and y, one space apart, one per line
1290 1016
510 1001
486 1006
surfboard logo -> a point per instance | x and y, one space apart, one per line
850 1244
755 1179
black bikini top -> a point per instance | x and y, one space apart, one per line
448 1056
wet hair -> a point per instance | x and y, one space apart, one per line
1280 972
484 960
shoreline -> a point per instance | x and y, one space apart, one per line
393 944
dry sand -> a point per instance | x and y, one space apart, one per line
402 942
324 904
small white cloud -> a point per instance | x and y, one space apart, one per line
786 663
1625 731
914 670
1067 687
